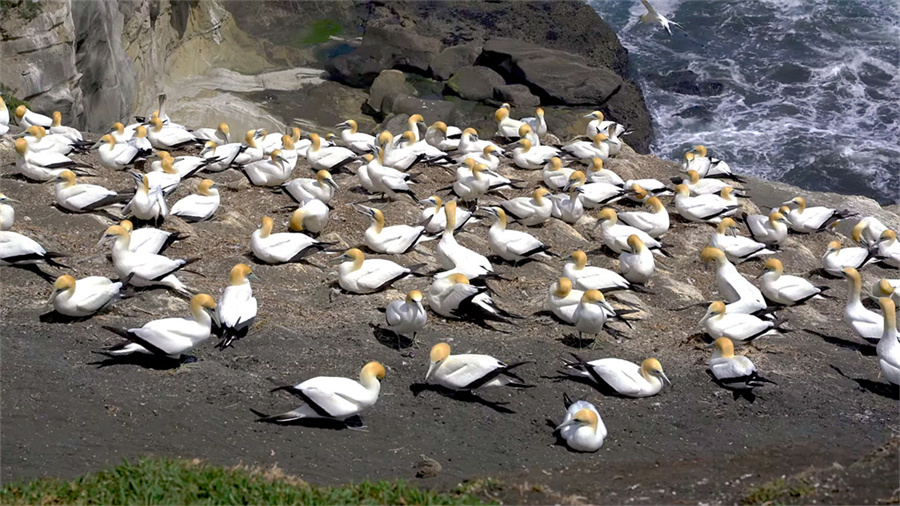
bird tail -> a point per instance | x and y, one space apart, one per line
287 416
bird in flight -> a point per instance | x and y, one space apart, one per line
654 17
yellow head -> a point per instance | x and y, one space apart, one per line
587 417
205 186
440 125
652 368
555 163
266 226
64 283
609 215
592 296
68 176
710 254
580 259
725 224
563 287
36 131
884 287
725 347
596 164
439 352
238 274
458 279
525 143
21 146
773 265
202 301
701 150
57 119
413 296
372 370
635 243
20 111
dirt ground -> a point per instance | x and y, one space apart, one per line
65 412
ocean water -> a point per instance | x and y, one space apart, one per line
810 88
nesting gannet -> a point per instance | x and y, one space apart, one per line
435 219
57 128
359 275
139 140
784 289
770 230
886 288
569 206
221 134
702 208
537 123
85 296
506 126
117 156
443 137
563 299
271 171
121 133
7 212
734 372
592 313
867 231
582 428
83 198
696 159
452 296
654 222
555 176
149 239
236 311
741 295
4 117
170 337
168 137
638 264
470 372
407 317
867 324
599 125
305 189
589 277
594 195
387 180
531 157
615 236
250 151
148 204
470 143
456 257
887 249
393 240
512 245
353 139
598 174
530 211
17 249
624 377
327 397
40 166
472 186
703 186
144 269
39 142
159 112
719 322
26 118
613 141
737 248
282 247
837 258
587 151
409 140
888 348
397 157
166 179
184 166
655 17
200 206
310 217
807 220
486 157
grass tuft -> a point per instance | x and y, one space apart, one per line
321 30
779 490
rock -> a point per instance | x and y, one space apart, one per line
325 104
427 467
475 83
384 47
517 95
389 83
453 58
434 110
687 82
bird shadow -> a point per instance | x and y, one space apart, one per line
34 269
573 341
139 359
866 350
886 390
737 393
352 423
560 441
57 317
603 388
417 388
390 338
497 259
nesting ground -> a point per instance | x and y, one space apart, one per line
63 415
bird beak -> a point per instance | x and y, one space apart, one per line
605 305
214 316
433 367
96 144
259 134
332 184
339 259
705 317
588 116
426 202
253 276
341 125
665 378
567 424
205 150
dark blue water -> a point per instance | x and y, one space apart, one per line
810 88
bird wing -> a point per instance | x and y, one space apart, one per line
796 288
649 7
236 305
623 376
339 397
521 242
84 195
378 272
170 335
463 370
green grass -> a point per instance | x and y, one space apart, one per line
166 481
321 30
778 491
11 101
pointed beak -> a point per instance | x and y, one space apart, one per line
431 369
567 424
339 259
665 378
214 316
253 276
331 183
259 134
341 125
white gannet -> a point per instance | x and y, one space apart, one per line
770 230
472 186
409 140
741 295
7 212
166 178
184 166
117 156
393 240
470 372
642 189
406 317
512 245
355 140
867 324
599 125
563 299
40 166
486 157
82 198
624 377
121 133
237 307
271 171
159 112
452 296
888 348
867 231
289 151
305 189
139 140
359 275
200 206
221 134
327 397
592 313
742 327
148 204
696 159
569 206
85 296
39 142
435 219
144 269
615 236
394 156
598 174
613 141
282 247
807 220
251 150
784 289
734 372
586 151
310 217
456 257
26 118
836 258
589 277
470 143
530 211
168 136
149 239
17 249
57 128
4 117
638 264
887 249
443 137
654 222
594 195
170 337
886 288
702 208
537 123
386 180
704 186
582 428
531 157
737 248
654 17
555 176
506 126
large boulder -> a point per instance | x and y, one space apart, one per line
475 83
453 58
384 47
517 95
389 83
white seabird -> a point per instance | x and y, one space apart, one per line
85 296
625 378
198 207
470 372
237 308
582 428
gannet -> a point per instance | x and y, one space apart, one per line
200 206
654 17
271 141
83 198
121 133
26 118
784 289
587 151
624 377
452 296
57 128
888 348
7 212
289 151
496 181
397 157
236 311
393 240
703 186
409 140
655 222
435 219
582 428
149 239
770 230
506 126
615 236
310 217
472 186
139 140
697 160
282 247
144 269
702 208
555 176
638 264
887 288
867 231
148 204
512 245
4 117
613 141
719 322
169 137
741 295
221 134
332 397
359 275
737 248
39 142
443 137
159 112
170 337
592 314
734 372
85 296
17 249
271 171
470 372
837 258
531 157
305 189
354 140
250 151
594 195
887 249
486 157
184 166
387 180
166 178
470 143
537 123
597 174
117 156
40 166
456 257
569 206
588 277
599 125
563 299
530 211
867 324
807 220
406 317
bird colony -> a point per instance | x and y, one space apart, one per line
626 223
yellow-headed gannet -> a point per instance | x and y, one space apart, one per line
537 123
531 157
867 324
149 239
359 275
200 206
435 219
598 174
397 157
807 220
221 134
4 117
615 236
85 296
582 428
17 249
719 322
654 222
305 189
271 171
588 150
282 247
144 269
737 248
702 208
310 217
741 295
393 240
387 180
625 378
237 308
443 137
148 203
651 16
887 288
594 195
452 296
867 231
470 372
26 118
512 245
837 258
406 317
786 290
530 211
83 198
599 125
456 257
117 156
40 166
734 372
563 300
887 249
555 176
770 230
168 137
638 264
7 212
506 126
588 277
889 346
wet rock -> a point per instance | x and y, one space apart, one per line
517 95
389 83
687 82
453 58
475 83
